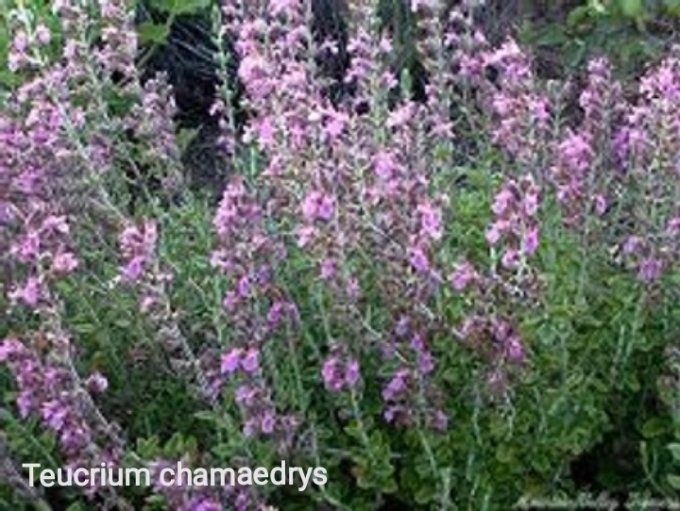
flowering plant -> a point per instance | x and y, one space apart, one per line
448 297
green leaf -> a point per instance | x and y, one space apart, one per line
76 506
190 6
675 451
551 35
174 446
426 494
631 8
598 6
504 454
147 447
578 15
176 7
653 427
162 5
672 7
674 481
185 136
153 33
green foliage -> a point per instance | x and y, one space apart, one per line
155 33
178 7
629 32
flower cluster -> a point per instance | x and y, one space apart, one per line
137 247
247 255
649 139
21 53
340 373
119 49
497 339
338 258
151 123
142 271
515 223
47 389
410 398
521 111
580 187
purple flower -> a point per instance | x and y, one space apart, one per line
600 204
515 349
317 205
335 124
230 300
396 385
265 133
268 422
462 276
64 262
403 326
632 245
530 241
133 270
243 286
400 116
502 201
650 269
425 362
29 293
29 247
385 165
204 504
326 208
275 312
418 259
251 360
493 233
510 258
97 383
42 34
328 268
230 361
331 374
245 394
352 372
430 220
26 403
576 152
352 288
673 226
391 412
54 414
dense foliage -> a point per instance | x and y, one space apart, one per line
448 279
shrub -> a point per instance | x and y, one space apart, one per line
449 299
